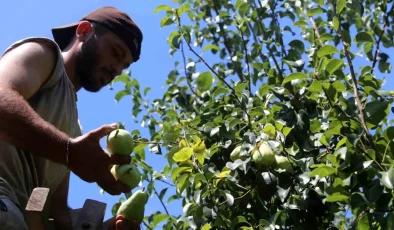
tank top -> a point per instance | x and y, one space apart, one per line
56 103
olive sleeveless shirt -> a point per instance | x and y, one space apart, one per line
56 103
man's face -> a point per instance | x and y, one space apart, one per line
100 59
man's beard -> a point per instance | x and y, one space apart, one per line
86 61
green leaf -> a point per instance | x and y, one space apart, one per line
183 155
301 23
163 193
326 37
146 90
315 87
363 37
333 65
174 39
314 11
335 23
211 47
387 178
204 81
323 171
294 76
238 220
376 111
258 65
206 226
244 8
161 8
337 197
346 37
220 90
166 21
339 86
235 122
364 222
158 218
341 4
327 50
342 142
119 95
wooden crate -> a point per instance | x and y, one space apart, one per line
89 217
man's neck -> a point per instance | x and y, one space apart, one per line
70 66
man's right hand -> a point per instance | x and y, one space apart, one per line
92 164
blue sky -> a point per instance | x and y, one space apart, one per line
26 18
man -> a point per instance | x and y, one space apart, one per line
40 137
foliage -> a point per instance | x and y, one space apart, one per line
307 78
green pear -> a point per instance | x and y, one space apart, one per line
263 157
133 209
283 163
236 154
120 142
127 174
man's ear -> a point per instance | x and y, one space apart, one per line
84 30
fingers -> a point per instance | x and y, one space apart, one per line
103 131
112 186
119 159
122 223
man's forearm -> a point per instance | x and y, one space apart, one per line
21 126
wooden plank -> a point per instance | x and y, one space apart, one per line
35 207
90 217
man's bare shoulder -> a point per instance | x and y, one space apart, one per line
27 66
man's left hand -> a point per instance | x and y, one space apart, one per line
120 223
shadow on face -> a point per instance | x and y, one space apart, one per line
101 58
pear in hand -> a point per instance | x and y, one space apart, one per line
133 209
127 174
120 141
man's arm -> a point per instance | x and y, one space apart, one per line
22 71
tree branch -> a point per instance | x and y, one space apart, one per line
146 225
284 53
268 47
165 182
377 51
225 41
246 53
217 74
355 89
184 66
237 198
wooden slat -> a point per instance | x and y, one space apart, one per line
35 207
90 217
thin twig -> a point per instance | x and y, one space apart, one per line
246 52
148 142
280 37
146 225
225 41
161 200
217 74
184 66
240 197
165 182
256 39
268 47
355 89
374 161
386 19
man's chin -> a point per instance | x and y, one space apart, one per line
92 89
